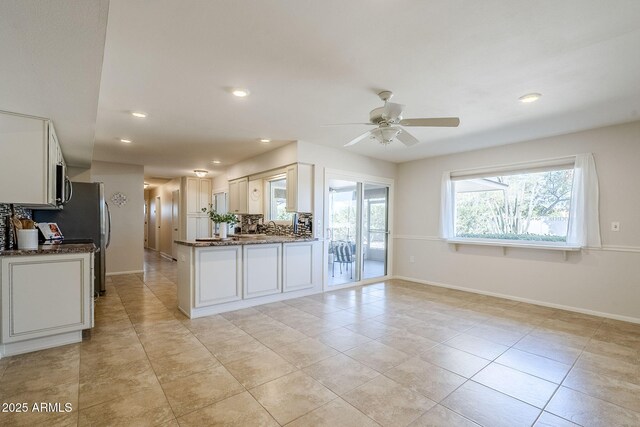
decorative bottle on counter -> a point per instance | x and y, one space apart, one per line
222 230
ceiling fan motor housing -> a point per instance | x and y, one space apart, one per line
377 116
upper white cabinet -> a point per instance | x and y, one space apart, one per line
30 163
299 188
239 196
196 195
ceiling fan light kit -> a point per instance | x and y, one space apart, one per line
389 122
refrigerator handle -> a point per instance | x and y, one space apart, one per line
109 224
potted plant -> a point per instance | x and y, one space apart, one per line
223 220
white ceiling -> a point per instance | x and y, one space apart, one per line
50 64
309 63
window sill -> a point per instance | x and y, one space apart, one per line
515 244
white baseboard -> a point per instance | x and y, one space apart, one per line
167 256
35 344
526 300
118 273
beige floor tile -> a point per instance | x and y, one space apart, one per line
160 348
388 403
506 337
533 364
110 382
621 393
612 367
615 351
436 333
146 408
439 416
370 328
240 410
549 420
62 394
532 390
335 413
341 373
343 339
24 376
477 346
199 390
259 369
239 348
291 396
407 342
377 355
305 352
551 349
560 338
590 411
489 407
425 378
181 365
454 360
278 338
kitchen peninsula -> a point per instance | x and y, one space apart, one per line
224 275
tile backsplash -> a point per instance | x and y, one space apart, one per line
6 229
256 223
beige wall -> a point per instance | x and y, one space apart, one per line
125 254
604 281
79 174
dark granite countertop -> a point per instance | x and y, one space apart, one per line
245 241
53 249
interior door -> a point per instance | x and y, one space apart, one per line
175 222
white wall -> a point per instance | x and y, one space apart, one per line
126 252
273 159
604 281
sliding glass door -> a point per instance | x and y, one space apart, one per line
357 230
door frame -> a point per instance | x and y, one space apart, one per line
363 179
158 223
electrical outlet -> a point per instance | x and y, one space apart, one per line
615 226
412 259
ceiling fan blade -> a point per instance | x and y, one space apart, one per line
436 121
358 139
392 110
406 138
347 124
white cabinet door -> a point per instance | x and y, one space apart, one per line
203 227
218 275
192 228
45 295
262 270
238 196
299 188
192 194
298 265
204 194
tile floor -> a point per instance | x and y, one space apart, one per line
390 354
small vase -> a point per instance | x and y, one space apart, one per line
222 230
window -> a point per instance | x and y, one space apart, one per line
545 203
277 201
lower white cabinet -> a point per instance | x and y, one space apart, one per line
262 270
46 295
218 275
298 266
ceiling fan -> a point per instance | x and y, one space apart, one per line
388 121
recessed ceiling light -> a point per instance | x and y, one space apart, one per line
201 173
530 97
139 114
265 140
125 140
216 162
240 92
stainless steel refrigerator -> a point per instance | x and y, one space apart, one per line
85 218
